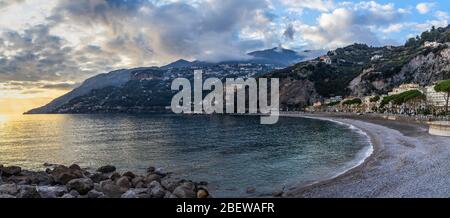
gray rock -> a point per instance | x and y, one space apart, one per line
107 169
124 183
171 184
11 171
138 182
28 191
95 194
62 174
135 193
151 169
82 186
6 196
68 196
160 171
185 190
115 176
98 177
156 190
110 189
52 191
10 189
75 167
74 193
129 174
152 177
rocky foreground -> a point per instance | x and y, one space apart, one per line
59 181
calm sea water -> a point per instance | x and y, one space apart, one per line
231 153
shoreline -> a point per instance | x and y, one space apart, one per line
373 147
402 143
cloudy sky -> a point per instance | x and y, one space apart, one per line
47 47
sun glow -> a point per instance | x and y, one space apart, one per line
18 102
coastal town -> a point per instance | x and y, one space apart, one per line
406 99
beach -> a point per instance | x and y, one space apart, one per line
406 162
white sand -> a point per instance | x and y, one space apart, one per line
406 162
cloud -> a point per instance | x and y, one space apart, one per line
351 23
299 5
35 55
67 41
289 32
59 86
6 3
425 7
148 34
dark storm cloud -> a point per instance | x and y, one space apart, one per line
209 30
36 55
59 86
289 32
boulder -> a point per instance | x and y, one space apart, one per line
202 193
152 177
74 193
62 174
98 177
68 196
35 178
95 194
160 171
124 183
52 191
156 190
151 169
10 189
82 186
6 196
129 174
185 190
138 181
11 171
110 189
106 169
75 167
135 193
171 184
115 176
28 191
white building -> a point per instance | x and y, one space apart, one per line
376 57
333 100
437 99
404 88
431 44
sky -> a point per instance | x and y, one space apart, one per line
49 47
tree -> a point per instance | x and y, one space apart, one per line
444 86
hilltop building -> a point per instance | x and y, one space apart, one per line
405 88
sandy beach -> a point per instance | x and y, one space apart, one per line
406 162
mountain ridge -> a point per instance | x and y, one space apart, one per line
355 70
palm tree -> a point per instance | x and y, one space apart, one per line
444 86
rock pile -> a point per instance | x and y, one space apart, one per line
59 181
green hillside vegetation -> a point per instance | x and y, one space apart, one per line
375 99
402 97
352 102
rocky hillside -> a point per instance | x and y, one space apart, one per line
356 70
360 70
